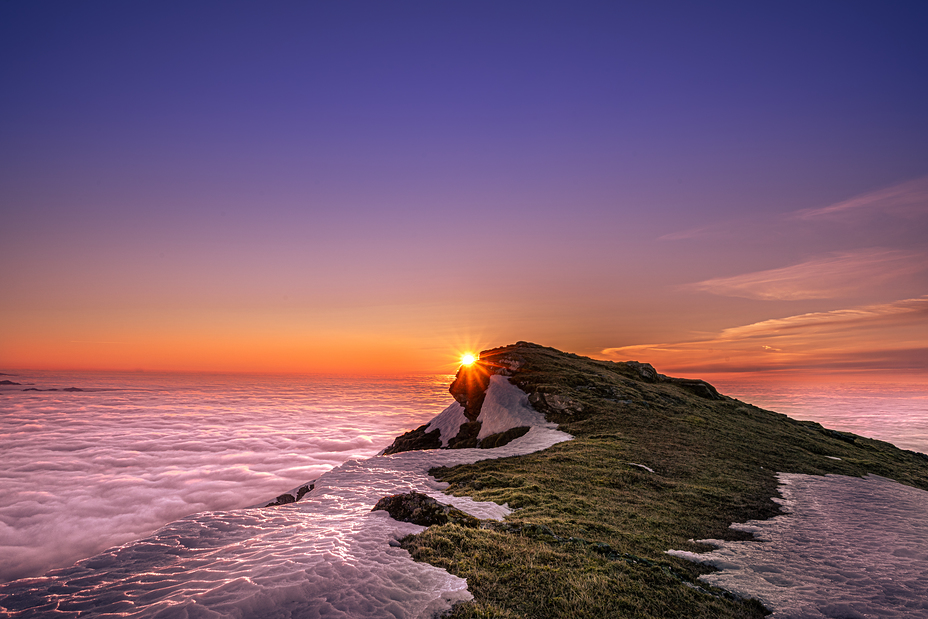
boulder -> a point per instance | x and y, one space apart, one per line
414 440
502 438
423 510
467 436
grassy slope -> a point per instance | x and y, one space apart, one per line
714 464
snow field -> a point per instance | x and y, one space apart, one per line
847 547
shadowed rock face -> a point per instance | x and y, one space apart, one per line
470 387
467 436
415 440
502 438
423 510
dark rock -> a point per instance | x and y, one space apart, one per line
696 386
423 510
415 440
554 407
303 490
466 436
470 387
284 499
72 389
644 370
35 389
7 382
502 438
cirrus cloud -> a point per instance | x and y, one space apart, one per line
890 337
823 277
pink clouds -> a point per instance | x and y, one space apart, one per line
823 277
909 199
890 336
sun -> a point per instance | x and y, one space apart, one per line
468 359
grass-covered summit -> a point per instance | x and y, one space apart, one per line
591 523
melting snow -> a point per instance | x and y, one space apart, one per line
848 547
328 555
448 422
505 407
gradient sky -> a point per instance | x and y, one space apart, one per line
374 186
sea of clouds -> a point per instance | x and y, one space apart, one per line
328 555
83 471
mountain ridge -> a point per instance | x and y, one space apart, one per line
656 462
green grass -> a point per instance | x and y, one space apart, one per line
589 532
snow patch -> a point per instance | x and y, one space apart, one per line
847 547
506 407
449 423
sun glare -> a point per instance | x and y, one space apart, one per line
468 359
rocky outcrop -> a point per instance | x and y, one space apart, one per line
303 491
287 498
284 499
502 438
467 436
558 408
415 440
423 510
469 390
520 362
7 382
470 387
696 387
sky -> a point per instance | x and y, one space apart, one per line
375 187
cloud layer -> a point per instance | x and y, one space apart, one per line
84 471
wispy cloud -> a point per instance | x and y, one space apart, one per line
889 336
906 198
823 277
694 233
